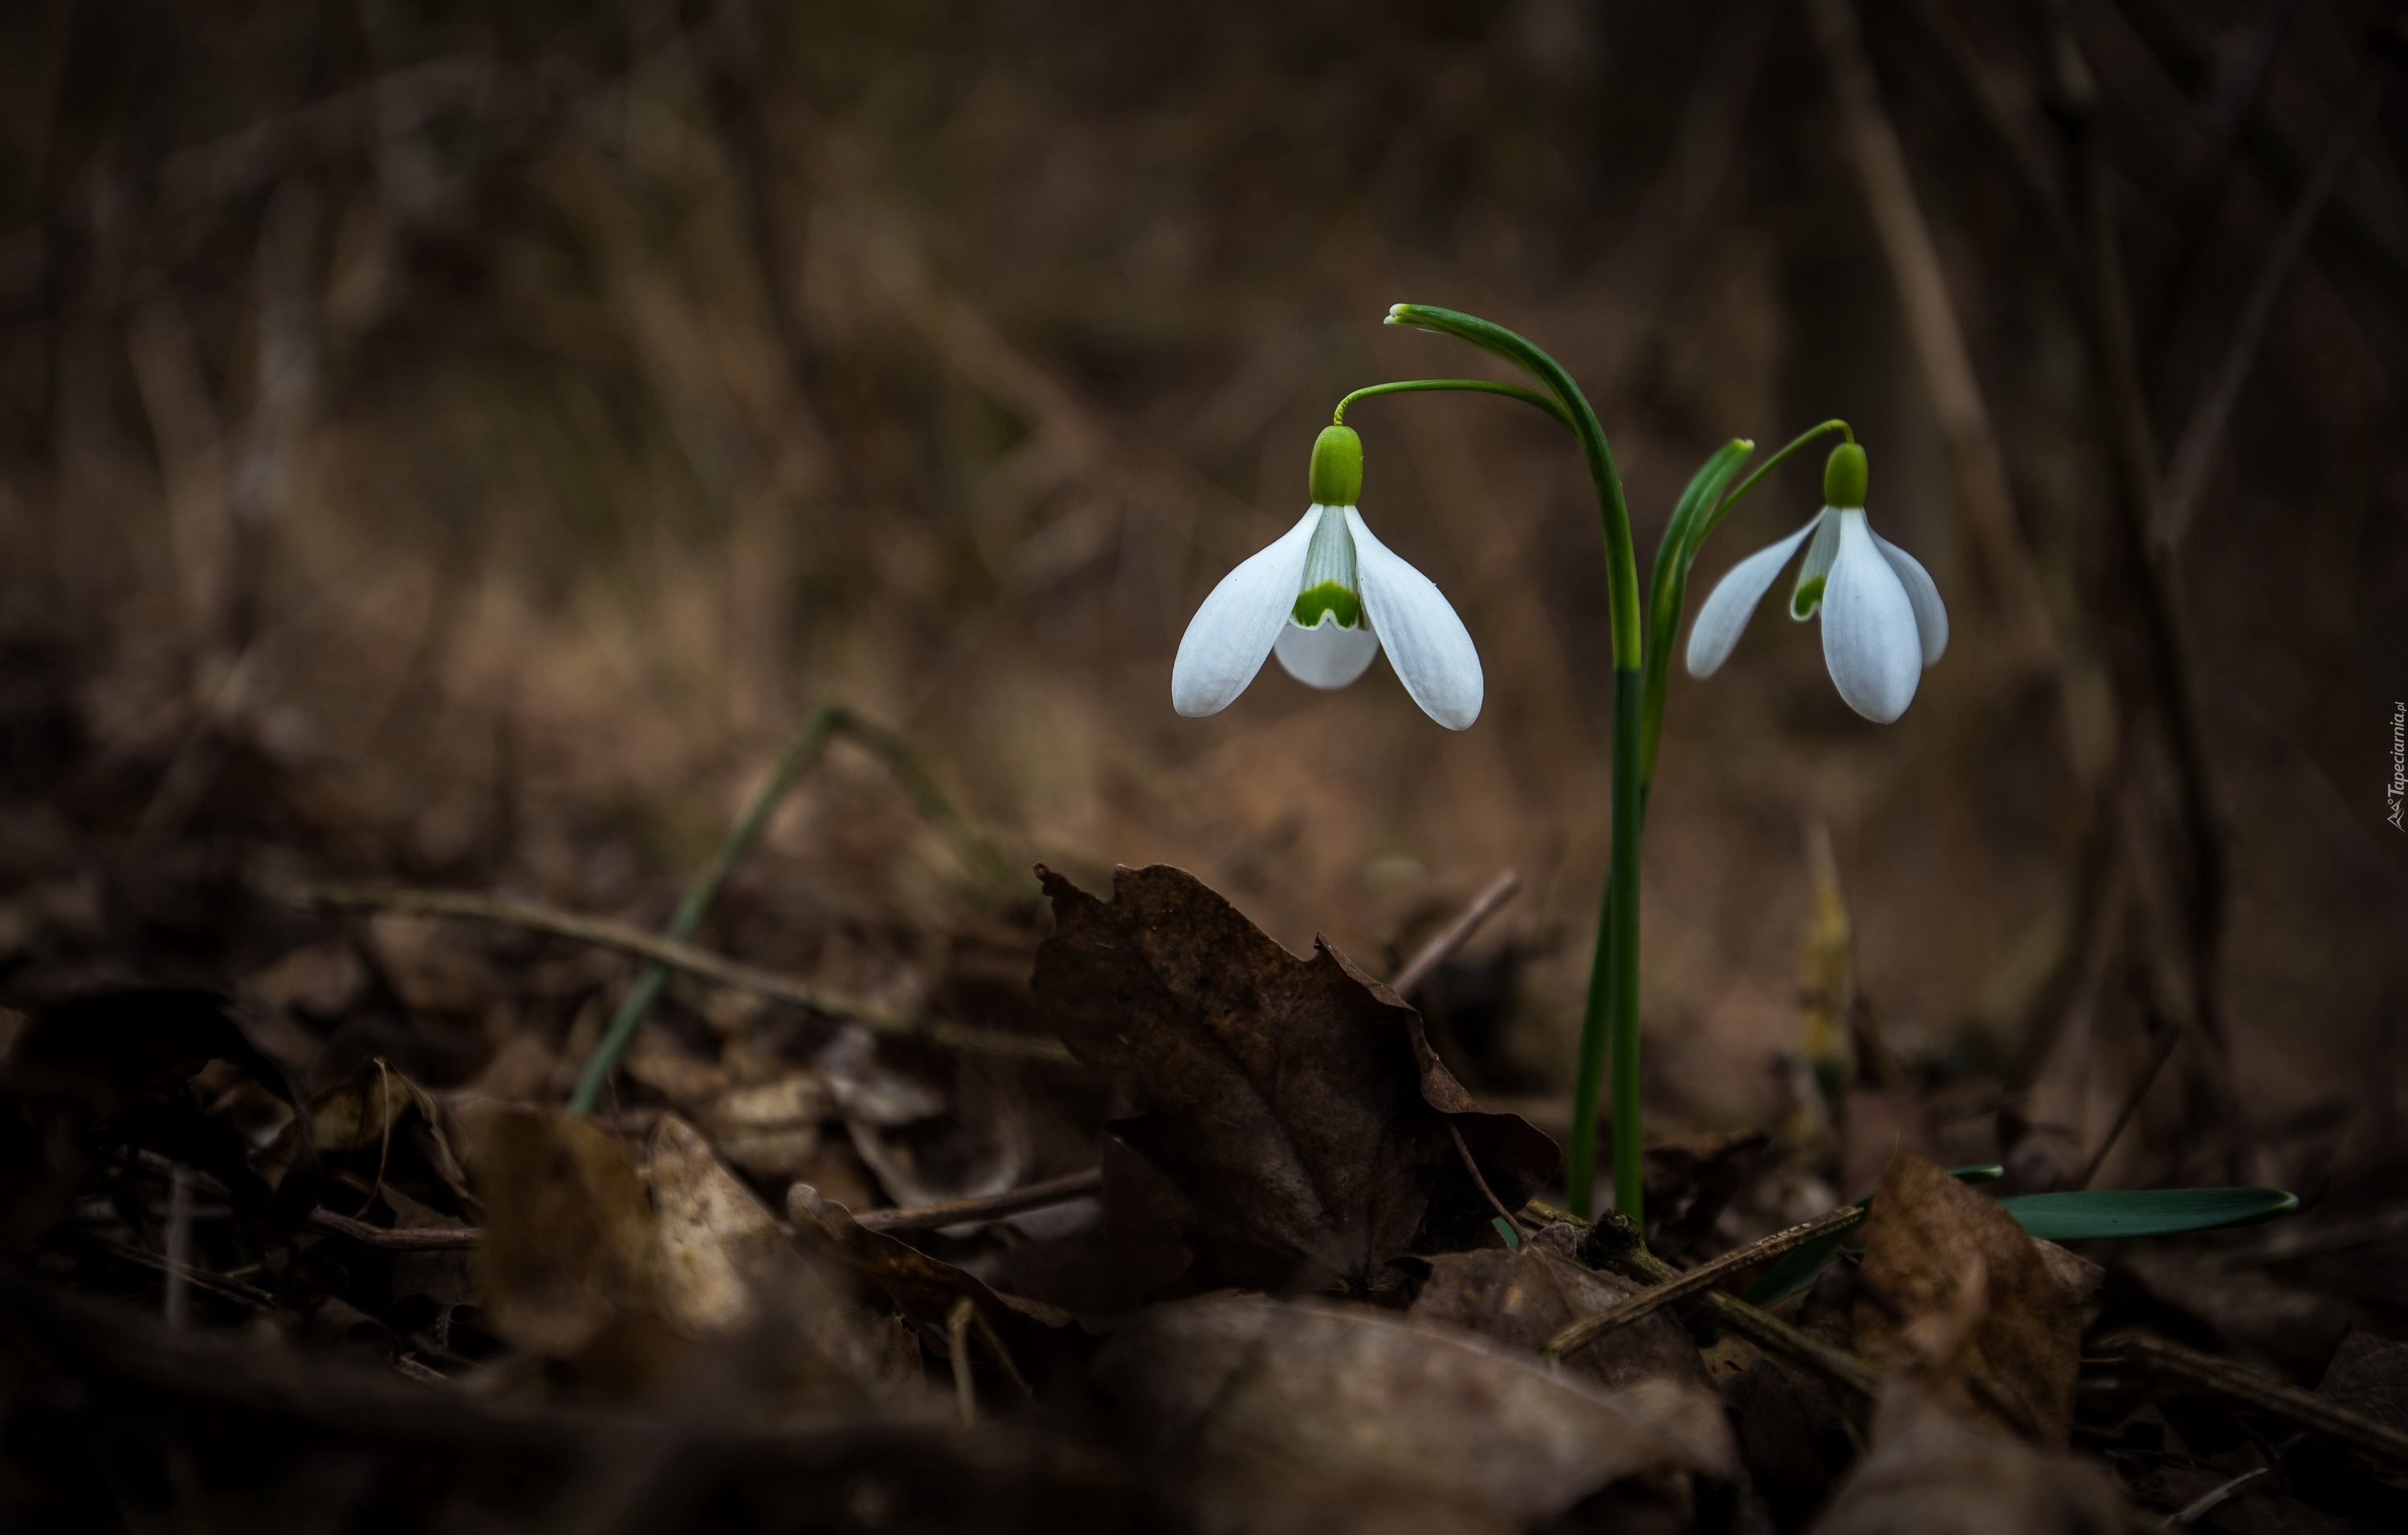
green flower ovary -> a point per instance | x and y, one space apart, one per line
1330 596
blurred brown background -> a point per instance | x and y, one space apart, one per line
460 448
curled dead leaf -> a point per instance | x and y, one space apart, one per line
1953 1290
1320 1418
1294 1103
1933 1472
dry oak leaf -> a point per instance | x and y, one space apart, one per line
1931 1472
1294 1103
1955 1291
1322 1416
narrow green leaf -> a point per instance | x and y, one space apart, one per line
1505 1229
2095 1214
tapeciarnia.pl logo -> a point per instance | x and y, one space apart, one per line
2396 790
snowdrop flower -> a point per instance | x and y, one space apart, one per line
1883 621
1326 598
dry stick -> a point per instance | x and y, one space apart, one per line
2203 437
2288 1402
1455 934
1703 1276
986 1206
958 1325
178 1299
1931 323
2132 1099
432 1238
2216 1497
1766 1331
1473 1168
628 938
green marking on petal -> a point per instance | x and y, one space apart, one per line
1328 598
1808 597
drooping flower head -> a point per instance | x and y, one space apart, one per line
1883 619
1326 598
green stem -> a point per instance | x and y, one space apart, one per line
826 721
1610 1020
1474 386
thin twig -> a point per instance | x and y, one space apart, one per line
957 1326
628 938
200 1279
1703 1276
1766 1331
1473 1168
1455 934
2288 1402
2132 1098
2216 1497
2195 452
430 1239
987 1207
177 1300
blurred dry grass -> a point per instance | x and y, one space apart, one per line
505 428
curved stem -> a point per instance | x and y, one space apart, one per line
1801 440
1475 386
1609 1021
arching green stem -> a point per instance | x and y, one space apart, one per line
1610 1022
1475 386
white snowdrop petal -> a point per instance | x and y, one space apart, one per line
1429 647
1815 572
1232 633
1324 655
1869 632
1930 613
1732 602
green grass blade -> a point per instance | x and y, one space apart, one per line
2095 1214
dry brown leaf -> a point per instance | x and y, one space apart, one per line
718 1243
2370 1375
570 1244
1294 1103
372 1109
2010 1353
1931 1472
1310 1416
1525 1297
726 1269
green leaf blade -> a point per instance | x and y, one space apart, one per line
2096 1214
